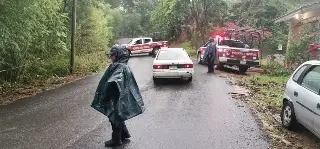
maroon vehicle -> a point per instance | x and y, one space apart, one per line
145 45
233 52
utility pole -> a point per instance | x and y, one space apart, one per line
73 38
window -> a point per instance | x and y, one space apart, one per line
139 41
233 43
298 73
312 80
146 40
172 55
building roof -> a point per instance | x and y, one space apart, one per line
305 13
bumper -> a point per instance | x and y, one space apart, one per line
239 62
173 74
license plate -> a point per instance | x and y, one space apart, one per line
243 62
173 67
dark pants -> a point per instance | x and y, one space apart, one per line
119 128
211 66
117 125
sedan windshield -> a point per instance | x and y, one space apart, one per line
172 55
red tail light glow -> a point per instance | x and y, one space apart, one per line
185 66
160 67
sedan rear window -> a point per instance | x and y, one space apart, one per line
172 55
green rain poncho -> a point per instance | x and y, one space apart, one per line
119 78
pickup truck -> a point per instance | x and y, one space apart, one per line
145 45
232 53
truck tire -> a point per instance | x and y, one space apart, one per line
220 66
155 51
243 69
130 54
199 58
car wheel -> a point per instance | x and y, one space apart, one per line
130 54
288 117
189 80
199 60
243 69
219 66
155 51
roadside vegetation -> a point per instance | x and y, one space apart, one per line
35 42
188 47
264 97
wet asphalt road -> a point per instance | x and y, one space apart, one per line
200 115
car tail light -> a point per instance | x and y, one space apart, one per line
160 67
185 66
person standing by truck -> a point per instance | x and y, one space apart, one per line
210 55
118 95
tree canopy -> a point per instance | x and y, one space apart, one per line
35 34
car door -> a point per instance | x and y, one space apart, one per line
147 45
311 84
137 46
294 92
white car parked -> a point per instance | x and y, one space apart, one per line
172 63
301 101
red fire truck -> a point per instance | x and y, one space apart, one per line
232 52
145 45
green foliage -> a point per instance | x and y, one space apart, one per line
176 18
275 69
298 50
297 53
91 63
188 47
262 13
168 17
94 32
268 91
31 30
130 25
35 38
35 34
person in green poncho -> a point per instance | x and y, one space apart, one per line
118 95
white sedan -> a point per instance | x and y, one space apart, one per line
172 63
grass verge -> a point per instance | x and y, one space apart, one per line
265 101
85 65
188 47
268 91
